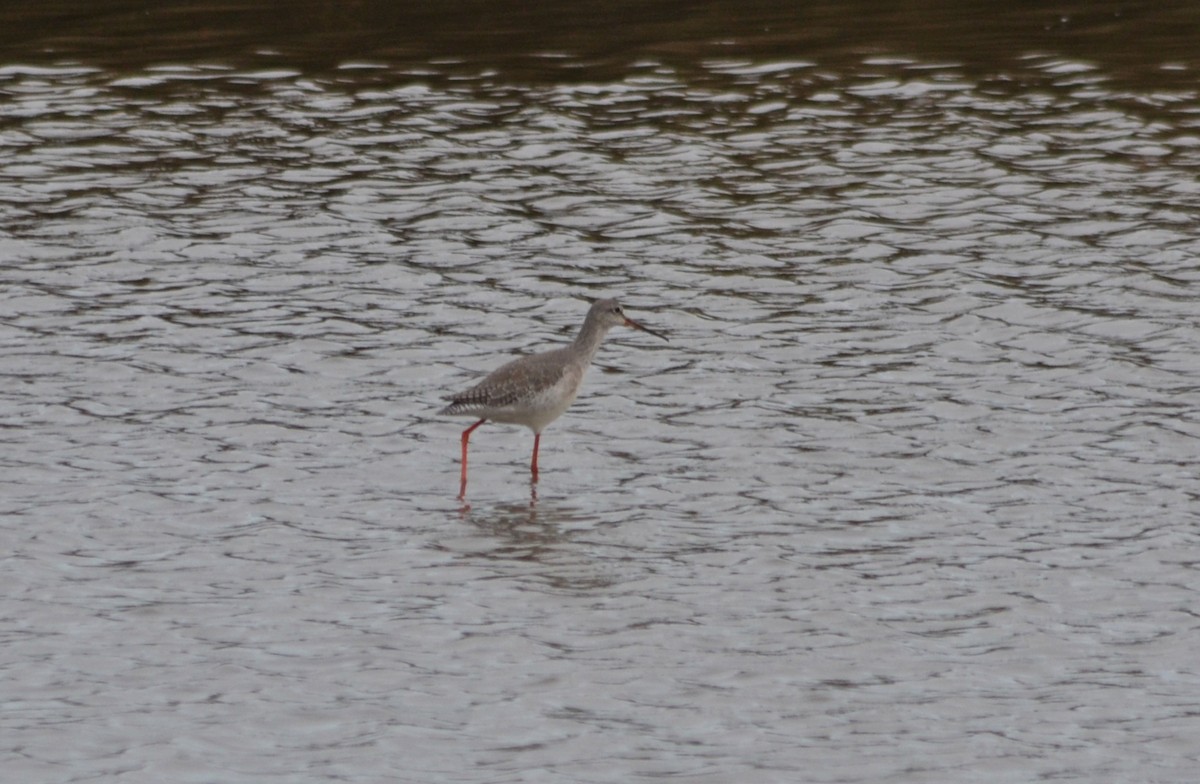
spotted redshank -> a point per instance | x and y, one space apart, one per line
535 390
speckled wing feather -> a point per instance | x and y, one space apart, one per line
509 384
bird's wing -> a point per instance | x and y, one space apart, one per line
508 383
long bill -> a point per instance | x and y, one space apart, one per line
631 323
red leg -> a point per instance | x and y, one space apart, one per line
462 490
537 437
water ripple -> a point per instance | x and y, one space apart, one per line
910 492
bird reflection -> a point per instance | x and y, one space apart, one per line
465 505
528 530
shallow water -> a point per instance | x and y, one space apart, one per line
909 496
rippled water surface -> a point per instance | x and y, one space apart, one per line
910 496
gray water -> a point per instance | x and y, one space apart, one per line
910 496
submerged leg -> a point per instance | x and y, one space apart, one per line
537 437
462 490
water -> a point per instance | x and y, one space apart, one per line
909 496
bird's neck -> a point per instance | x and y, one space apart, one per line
588 341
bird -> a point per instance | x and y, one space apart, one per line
535 390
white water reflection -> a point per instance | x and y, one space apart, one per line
910 494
